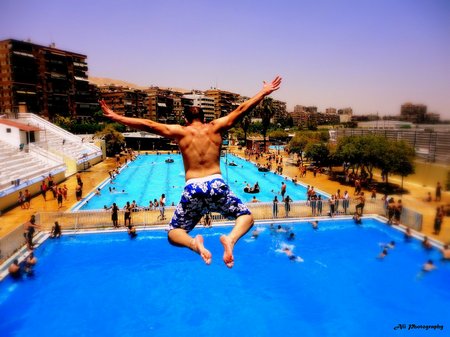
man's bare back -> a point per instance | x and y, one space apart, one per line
200 147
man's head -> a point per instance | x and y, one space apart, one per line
194 113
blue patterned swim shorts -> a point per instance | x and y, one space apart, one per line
204 195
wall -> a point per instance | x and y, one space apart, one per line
12 137
10 200
428 174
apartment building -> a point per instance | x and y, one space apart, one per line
306 116
415 113
125 101
224 101
202 101
345 115
46 80
164 105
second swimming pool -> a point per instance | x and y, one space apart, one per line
147 177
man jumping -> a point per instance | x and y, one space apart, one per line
205 190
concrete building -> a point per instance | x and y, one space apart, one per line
45 80
224 101
308 116
345 115
164 105
414 113
280 110
202 101
125 101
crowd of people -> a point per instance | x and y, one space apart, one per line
58 192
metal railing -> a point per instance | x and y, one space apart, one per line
432 146
101 219
11 243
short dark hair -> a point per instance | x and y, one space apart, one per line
192 113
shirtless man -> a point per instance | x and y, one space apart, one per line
205 190
29 228
283 190
14 269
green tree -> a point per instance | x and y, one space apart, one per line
364 153
114 140
279 135
397 158
64 122
298 144
318 152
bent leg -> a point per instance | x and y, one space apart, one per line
180 238
243 225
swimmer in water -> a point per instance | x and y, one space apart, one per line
314 224
291 256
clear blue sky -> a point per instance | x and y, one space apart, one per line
371 55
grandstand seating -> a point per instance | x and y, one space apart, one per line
61 142
18 167
55 151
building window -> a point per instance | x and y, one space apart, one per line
8 130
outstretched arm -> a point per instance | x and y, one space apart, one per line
165 130
227 122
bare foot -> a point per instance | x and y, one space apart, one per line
228 251
200 248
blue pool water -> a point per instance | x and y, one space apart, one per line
109 285
147 177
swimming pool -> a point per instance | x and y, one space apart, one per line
109 285
147 177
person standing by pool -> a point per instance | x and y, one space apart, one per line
283 190
337 198
438 192
345 201
313 204
438 219
127 214
114 214
398 212
162 204
362 200
205 190
287 205
331 203
275 207
29 228
319 205
56 231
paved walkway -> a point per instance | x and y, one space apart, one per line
98 173
15 217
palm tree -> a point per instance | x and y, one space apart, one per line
266 115
245 124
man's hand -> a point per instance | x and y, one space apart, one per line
268 88
107 112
